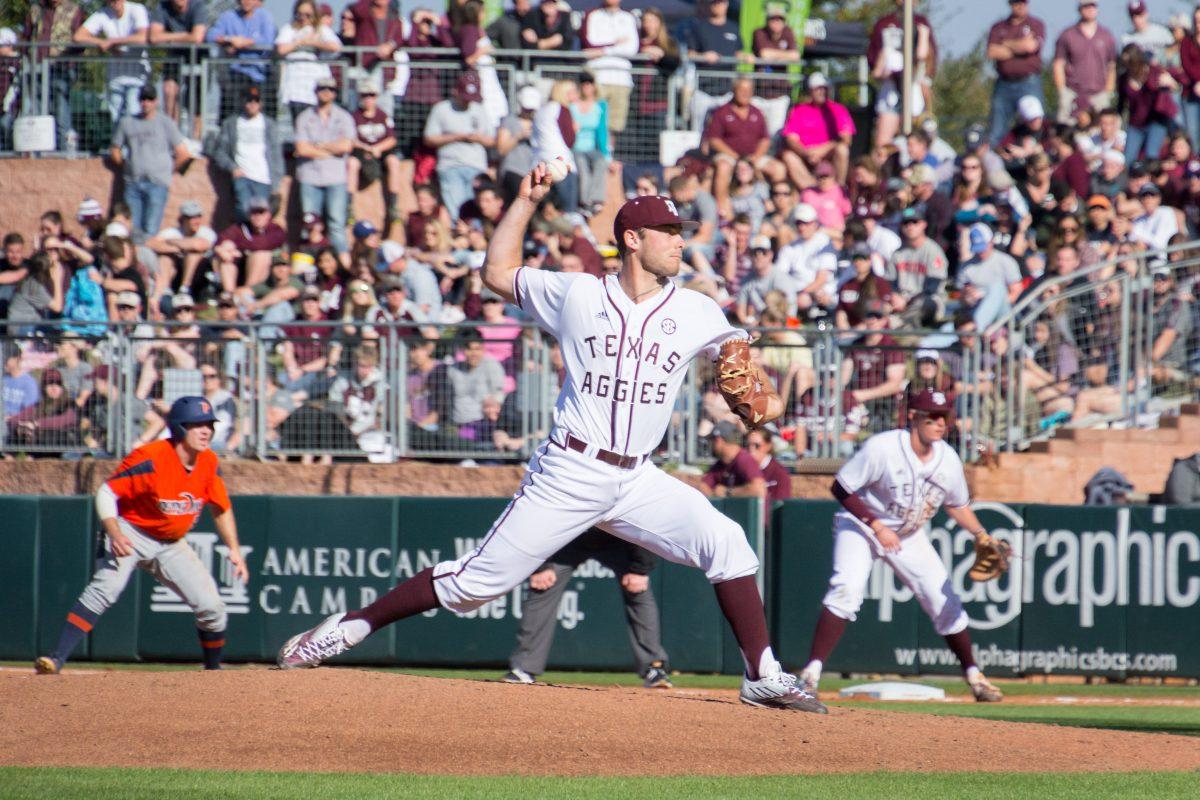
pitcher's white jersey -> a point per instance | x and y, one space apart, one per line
903 492
624 361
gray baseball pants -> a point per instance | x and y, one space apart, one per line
539 613
173 564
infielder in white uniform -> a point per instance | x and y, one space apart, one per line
889 491
626 344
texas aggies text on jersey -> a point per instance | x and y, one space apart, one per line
158 495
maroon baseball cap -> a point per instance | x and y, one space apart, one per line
467 87
1137 9
52 376
930 401
646 212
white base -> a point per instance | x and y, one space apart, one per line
893 690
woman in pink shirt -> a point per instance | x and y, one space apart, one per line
828 198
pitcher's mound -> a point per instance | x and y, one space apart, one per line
366 721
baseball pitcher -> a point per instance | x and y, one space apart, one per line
627 340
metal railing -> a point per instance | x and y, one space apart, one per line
382 391
81 90
1079 349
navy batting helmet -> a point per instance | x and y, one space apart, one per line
188 410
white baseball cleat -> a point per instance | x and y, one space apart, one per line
808 682
779 690
984 690
318 644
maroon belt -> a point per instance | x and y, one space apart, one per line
607 456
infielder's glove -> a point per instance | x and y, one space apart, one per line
991 559
745 387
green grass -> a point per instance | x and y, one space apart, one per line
19 783
1145 719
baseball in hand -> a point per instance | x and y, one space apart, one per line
557 169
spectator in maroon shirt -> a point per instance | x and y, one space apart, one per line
1085 64
775 40
735 473
778 479
310 356
1146 93
856 293
739 130
243 250
369 23
1072 167
429 209
424 88
374 156
1189 55
1015 45
874 368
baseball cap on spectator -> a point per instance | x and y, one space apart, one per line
251 93
1030 108
393 284
727 430
980 237
325 10
1159 268
529 98
1136 8
89 210
760 242
921 174
876 309
182 300
467 87
310 292
823 170
1099 201
52 376
147 92
912 213
364 228
311 219
926 354
129 299
817 81
646 212
117 229
359 286
1114 156
776 10
896 185
863 210
226 300
1138 169
190 208
804 213
605 251
860 250
368 86
1150 189
974 137
326 82
259 204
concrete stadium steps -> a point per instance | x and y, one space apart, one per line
1056 470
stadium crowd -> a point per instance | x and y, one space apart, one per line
802 220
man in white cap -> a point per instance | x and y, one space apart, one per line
514 142
374 156
181 249
1157 223
763 278
1153 38
809 138
811 262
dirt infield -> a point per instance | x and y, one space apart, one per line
358 721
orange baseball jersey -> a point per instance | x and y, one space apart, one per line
155 493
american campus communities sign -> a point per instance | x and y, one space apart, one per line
1094 591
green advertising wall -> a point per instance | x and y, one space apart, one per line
312 556
1094 591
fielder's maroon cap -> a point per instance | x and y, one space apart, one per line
646 212
929 401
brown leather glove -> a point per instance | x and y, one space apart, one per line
745 387
991 559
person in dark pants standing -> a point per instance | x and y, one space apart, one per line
546 587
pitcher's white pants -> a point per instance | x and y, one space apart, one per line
563 494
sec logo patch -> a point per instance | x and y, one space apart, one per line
668 326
